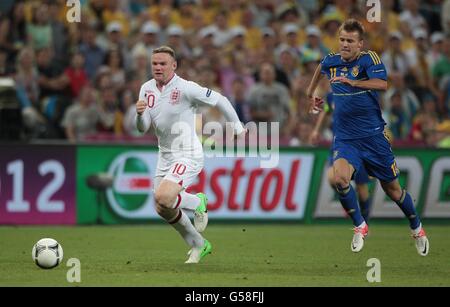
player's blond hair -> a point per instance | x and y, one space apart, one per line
165 49
353 25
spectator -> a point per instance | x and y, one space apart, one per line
76 74
288 63
115 40
239 100
425 123
422 83
114 63
27 88
27 77
81 118
313 43
39 31
397 119
237 68
13 30
291 40
269 100
93 54
394 58
220 28
149 39
433 55
140 65
175 39
400 99
410 17
114 13
445 16
110 113
441 77
59 35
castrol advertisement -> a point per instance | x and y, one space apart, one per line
237 188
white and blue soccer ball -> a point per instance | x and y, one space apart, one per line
47 253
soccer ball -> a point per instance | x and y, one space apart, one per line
47 253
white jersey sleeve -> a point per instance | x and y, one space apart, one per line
143 121
207 96
200 94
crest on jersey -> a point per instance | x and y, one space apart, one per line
355 71
175 96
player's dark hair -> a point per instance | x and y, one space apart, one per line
165 49
353 25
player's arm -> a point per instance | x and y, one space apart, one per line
316 131
143 119
314 102
212 98
376 73
224 105
371 84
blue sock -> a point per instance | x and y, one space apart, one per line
347 196
364 205
407 206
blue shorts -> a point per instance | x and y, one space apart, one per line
360 176
373 153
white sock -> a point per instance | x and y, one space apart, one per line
363 224
186 201
417 230
183 225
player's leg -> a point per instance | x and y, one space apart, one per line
330 177
364 200
404 200
380 162
346 160
184 172
362 189
165 197
343 171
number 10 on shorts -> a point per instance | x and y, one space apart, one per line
179 169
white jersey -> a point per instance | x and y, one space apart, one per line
172 113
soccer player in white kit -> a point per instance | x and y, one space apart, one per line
169 103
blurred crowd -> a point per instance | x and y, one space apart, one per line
80 80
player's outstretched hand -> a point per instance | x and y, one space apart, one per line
140 107
316 105
241 135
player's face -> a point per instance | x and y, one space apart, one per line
350 44
163 67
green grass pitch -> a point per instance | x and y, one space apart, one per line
243 255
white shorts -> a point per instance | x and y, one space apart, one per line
182 171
